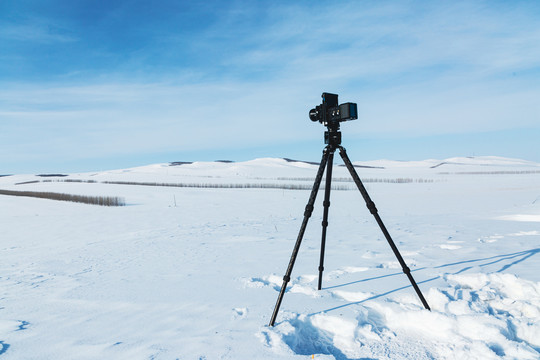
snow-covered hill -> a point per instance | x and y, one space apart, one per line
192 266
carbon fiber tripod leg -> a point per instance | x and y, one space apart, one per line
373 210
307 215
326 204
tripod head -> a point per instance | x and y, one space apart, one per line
332 136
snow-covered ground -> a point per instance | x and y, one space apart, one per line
194 273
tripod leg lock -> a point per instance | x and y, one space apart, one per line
406 270
321 268
326 203
325 223
286 278
309 210
372 208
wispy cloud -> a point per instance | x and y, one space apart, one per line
248 76
35 30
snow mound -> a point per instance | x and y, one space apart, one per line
480 161
489 161
476 316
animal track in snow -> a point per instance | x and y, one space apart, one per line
495 237
490 238
449 246
259 282
306 284
240 313
526 233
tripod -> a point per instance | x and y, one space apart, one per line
333 141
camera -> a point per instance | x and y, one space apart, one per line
329 112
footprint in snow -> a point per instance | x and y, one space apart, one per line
240 313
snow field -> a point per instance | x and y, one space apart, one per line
186 273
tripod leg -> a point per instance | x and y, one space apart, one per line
373 210
307 215
326 204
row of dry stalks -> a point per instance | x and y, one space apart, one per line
93 200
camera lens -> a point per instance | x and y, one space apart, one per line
314 114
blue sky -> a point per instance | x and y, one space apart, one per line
94 85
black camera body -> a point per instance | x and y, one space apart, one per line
329 112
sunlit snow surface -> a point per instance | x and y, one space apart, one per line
194 273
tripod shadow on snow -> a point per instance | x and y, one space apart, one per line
477 315
484 314
519 257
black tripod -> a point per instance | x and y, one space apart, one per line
333 141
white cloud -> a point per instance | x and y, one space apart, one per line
35 31
414 69
97 120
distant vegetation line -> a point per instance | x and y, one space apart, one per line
93 200
251 185
502 172
365 180
226 186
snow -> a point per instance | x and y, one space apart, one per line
194 273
